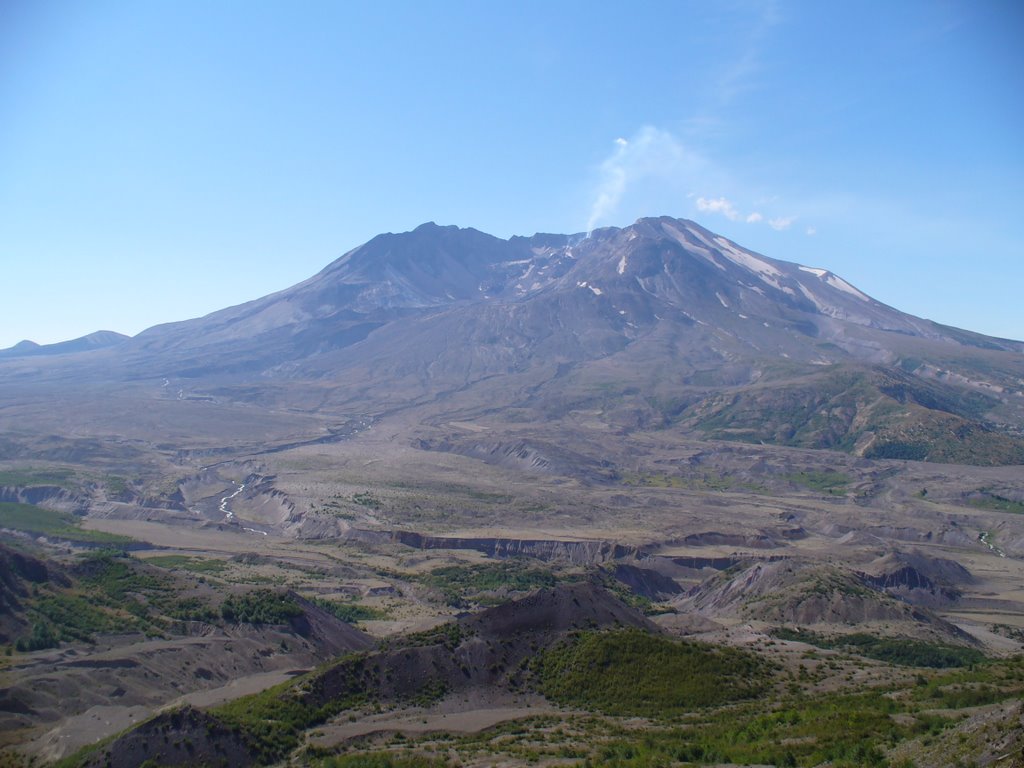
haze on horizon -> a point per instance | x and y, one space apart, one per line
165 160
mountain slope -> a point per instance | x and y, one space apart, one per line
662 324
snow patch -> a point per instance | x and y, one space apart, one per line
815 271
765 271
622 264
838 282
721 299
680 237
818 303
597 291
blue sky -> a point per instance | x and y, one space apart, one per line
161 160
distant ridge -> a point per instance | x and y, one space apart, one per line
96 340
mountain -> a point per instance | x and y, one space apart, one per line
662 325
96 340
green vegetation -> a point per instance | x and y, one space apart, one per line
898 449
186 563
380 760
261 606
274 719
462 585
58 525
110 593
367 499
705 481
903 652
990 500
449 635
350 612
116 485
43 636
631 672
823 482
853 729
29 476
75 617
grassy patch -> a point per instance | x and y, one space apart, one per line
59 525
630 672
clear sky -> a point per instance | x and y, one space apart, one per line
160 160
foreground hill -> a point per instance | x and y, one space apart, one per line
659 325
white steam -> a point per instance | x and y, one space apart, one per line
653 159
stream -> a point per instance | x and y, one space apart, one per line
983 538
228 514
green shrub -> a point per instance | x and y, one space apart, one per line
631 672
350 612
900 651
261 606
461 584
42 636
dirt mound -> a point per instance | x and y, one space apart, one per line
556 611
486 649
185 736
918 579
328 634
